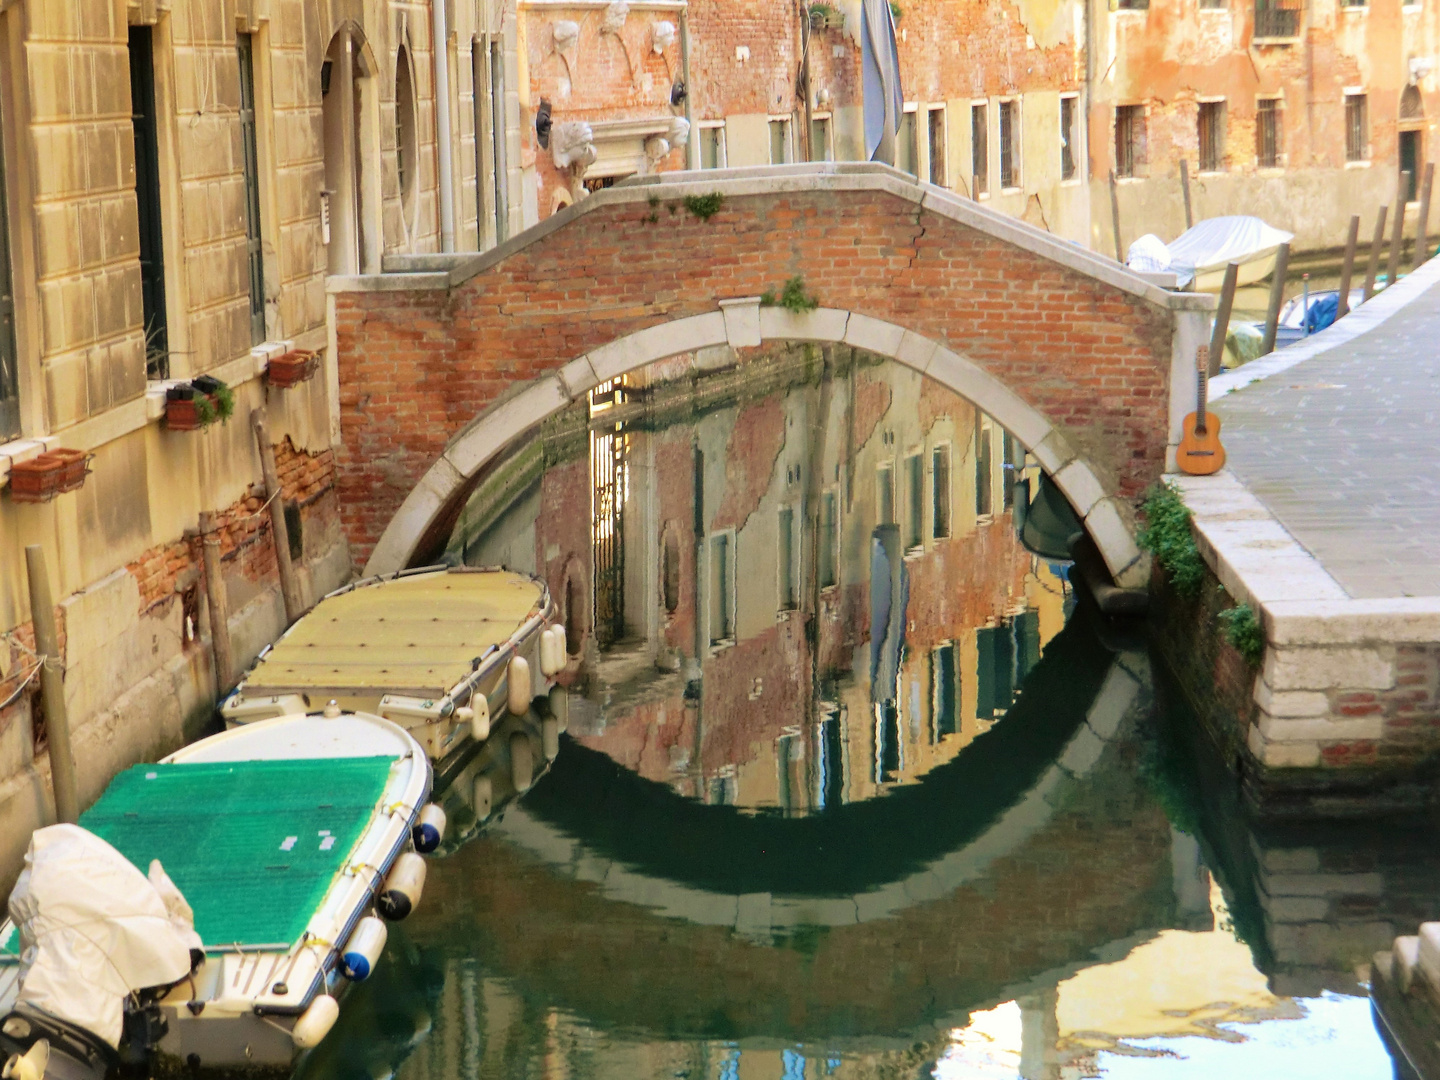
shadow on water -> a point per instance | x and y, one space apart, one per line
852 787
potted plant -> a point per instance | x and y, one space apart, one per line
199 404
291 369
36 480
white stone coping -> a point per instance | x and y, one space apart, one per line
1261 564
130 416
780 179
1341 332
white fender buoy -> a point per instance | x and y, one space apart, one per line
550 738
552 651
477 715
517 677
560 705
29 1065
429 829
400 894
484 796
362 950
522 761
315 1022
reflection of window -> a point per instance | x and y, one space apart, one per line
984 494
786 762
885 495
785 553
940 492
722 588
830 781
944 689
1014 467
914 501
829 538
1004 654
670 573
887 741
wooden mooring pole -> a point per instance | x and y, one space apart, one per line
52 689
1397 236
1422 226
1375 246
1185 191
279 530
1222 316
1277 297
215 594
1347 267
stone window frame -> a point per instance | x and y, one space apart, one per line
1076 134
16 244
721 150
980 181
787 129
1273 104
1138 140
1015 106
931 109
910 110
492 202
407 136
1217 132
1347 95
826 152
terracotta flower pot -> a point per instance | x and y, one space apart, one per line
76 463
36 480
181 414
291 369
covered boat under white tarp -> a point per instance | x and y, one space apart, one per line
1201 253
93 929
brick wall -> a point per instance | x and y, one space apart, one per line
415 366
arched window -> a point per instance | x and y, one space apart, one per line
1411 106
406 163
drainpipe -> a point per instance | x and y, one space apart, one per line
692 147
441 47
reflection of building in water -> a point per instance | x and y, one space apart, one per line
830 537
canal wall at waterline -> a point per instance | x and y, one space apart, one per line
1321 526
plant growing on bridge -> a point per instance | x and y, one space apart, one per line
1167 535
793 297
1244 632
705 206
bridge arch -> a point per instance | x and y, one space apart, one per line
744 323
442 365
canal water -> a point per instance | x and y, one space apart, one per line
852 784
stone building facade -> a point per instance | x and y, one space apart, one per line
179 177
1302 114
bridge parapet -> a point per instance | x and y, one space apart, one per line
443 365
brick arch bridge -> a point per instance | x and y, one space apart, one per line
444 365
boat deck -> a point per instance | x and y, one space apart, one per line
416 635
253 845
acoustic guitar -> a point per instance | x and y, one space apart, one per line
1200 452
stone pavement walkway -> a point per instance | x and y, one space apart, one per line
1343 447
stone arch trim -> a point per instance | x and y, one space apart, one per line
743 323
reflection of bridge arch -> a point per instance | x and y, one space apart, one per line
854 862
1029 900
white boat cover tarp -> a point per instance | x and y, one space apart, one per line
93 929
1220 240
1150 255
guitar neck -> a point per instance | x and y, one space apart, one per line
1202 383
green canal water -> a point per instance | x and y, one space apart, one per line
854 785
